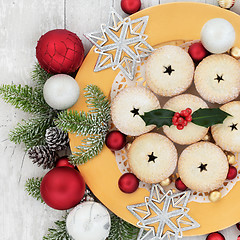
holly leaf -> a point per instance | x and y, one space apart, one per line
158 117
207 117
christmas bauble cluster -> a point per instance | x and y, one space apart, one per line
60 52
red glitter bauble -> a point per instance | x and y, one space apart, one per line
180 185
197 52
128 183
64 162
130 6
115 140
215 236
62 188
60 51
232 173
238 226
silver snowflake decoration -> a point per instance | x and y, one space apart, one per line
173 215
121 44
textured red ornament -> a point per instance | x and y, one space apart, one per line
115 140
180 185
62 188
128 183
130 6
197 52
64 162
232 173
215 236
238 226
60 51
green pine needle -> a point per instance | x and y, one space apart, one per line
59 232
39 76
31 132
121 230
80 123
25 98
91 146
32 186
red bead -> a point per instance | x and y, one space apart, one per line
185 123
64 162
238 226
130 6
60 51
197 52
215 236
188 118
115 140
177 114
189 111
180 120
180 185
180 127
128 183
62 188
232 173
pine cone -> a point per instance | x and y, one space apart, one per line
56 139
43 156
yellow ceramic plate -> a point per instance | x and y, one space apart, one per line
167 22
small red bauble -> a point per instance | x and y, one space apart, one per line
130 6
232 173
115 140
64 162
238 226
62 188
215 236
238 237
60 51
197 52
180 185
128 183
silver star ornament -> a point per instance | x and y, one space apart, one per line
162 211
120 44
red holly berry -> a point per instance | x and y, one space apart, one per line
188 118
174 120
180 127
180 185
184 113
180 120
185 123
189 111
177 114
232 173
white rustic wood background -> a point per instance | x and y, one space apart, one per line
22 22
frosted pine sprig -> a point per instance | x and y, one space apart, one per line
32 186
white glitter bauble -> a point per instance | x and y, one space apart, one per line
88 221
61 91
218 35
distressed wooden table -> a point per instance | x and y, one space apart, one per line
22 22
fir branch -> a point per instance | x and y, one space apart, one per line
97 102
59 232
90 147
39 76
32 186
121 230
25 98
31 132
81 123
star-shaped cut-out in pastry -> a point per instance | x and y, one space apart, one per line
151 157
168 70
162 211
234 126
219 78
203 167
135 111
121 44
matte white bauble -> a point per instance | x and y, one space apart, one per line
88 221
61 91
218 35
